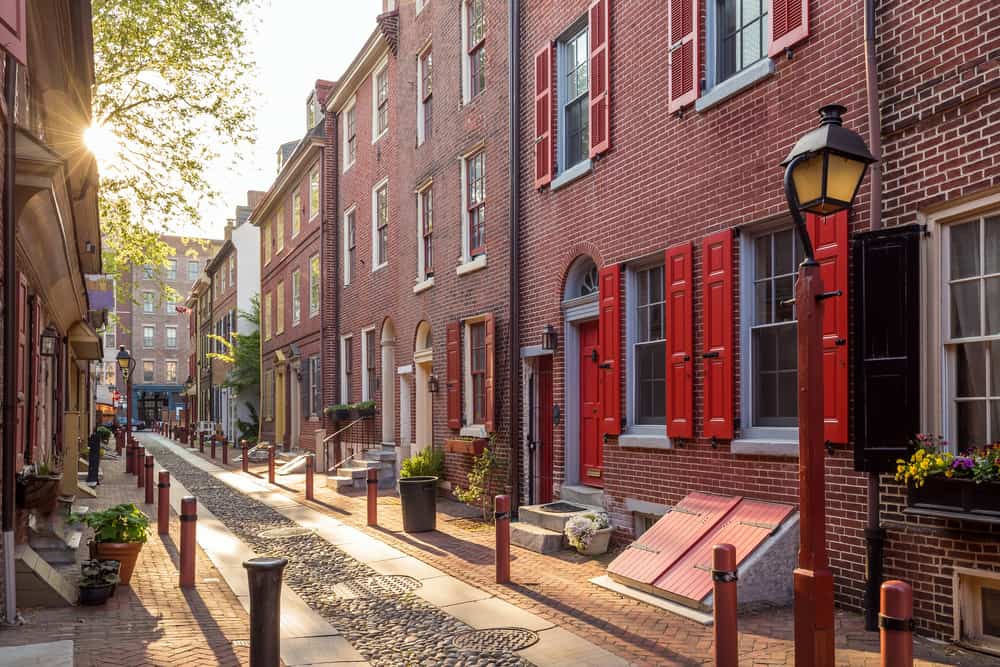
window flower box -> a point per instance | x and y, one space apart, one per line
942 494
474 446
965 485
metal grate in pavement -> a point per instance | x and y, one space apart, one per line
284 533
382 585
495 640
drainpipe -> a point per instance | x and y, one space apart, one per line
874 533
513 76
9 342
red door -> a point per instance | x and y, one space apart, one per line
545 429
591 454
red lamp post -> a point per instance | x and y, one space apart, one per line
127 364
822 176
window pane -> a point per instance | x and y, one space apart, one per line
992 306
763 303
775 376
970 375
965 250
762 255
784 291
965 309
971 417
992 249
784 252
650 372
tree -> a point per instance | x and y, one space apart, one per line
172 87
243 352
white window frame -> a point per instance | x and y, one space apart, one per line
232 267
420 4
346 340
564 172
382 66
470 429
314 305
166 337
296 297
967 585
144 362
197 269
166 370
150 301
315 187
375 238
466 60
420 92
279 308
468 263
349 109
152 338
315 379
423 281
351 210
296 213
718 90
367 393
172 269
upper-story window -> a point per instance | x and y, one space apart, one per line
148 332
313 194
171 375
148 371
477 370
574 99
426 221
741 37
380 121
475 46
193 269
350 135
171 269
268 311
475 196
279 311
350 243
380 225
232 269
279 230
266 241
147 271
314 286
296 297
147 302
425 89
296 214
171 338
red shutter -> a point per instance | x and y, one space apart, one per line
454 375
36 362
599 26
717 333
20 370
789 24
13 29
543 116
490 372
683 53
679 343
829 237
609 342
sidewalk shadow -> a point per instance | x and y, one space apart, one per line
221 647
443 545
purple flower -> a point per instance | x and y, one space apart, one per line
962 463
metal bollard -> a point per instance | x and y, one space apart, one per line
895 624
129 454
724 605
201 443
270 464
310 464
373 496
163 510
189 522
140 477
214 440
225 451
148 472
246 452
501 513
264 578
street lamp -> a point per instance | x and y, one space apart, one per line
50 337
127 364
822 176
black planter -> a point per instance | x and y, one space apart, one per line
341 415
95 595
418 497
366 412
956 495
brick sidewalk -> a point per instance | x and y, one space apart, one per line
557 587
153 622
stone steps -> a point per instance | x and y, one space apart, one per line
353 475
535 538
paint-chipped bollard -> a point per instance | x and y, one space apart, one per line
148 472
163 510
501 514
895 624
372 496
225 450
246 455
264 579
214 440
310 465
189 523
270 464
724 605
140 477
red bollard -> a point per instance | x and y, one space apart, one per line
373 496
310 464
727 642
129 456
163 511
246 452
501 514
119 442
148 472
895 624
189 519
270 464
201 443
214 439
140 477
225 451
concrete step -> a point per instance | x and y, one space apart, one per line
535 538
582 495
537 515
343 482
381 455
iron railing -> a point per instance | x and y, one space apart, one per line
353 439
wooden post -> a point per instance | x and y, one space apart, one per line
502 515
140 456
310 465
148 474
270 464
246 452
896 624
163 511
372 496
727 646
189 519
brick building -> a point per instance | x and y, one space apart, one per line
422 262
291 218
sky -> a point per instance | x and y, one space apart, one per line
294 43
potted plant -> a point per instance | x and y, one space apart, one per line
418 480
465 445
364 409
38 487
589 533
105 433
340 412
119 533
98 581
942 481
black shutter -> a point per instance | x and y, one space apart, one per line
887 317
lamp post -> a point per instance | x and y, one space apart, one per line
188 384
822 176
127 364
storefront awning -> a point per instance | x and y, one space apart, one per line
85 343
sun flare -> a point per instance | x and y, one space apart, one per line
102 142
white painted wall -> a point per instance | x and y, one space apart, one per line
246 240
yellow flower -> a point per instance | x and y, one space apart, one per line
949 473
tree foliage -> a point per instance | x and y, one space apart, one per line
172 84
242 352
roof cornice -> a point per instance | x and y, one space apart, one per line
375 48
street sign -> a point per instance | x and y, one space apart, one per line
117 396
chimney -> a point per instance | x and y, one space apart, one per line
228 231
254 197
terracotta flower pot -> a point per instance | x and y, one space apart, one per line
125 553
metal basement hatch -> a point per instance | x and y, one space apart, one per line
673 559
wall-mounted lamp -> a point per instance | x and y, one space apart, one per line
432 384
89 247
550 339
49 339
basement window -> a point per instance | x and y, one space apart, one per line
978 607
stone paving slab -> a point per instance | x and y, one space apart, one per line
369 550
445 591
408 566
316 650
495 613
48 654
560 648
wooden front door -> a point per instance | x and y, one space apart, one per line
591 451
279 408
545 429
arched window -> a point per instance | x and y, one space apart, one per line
581 280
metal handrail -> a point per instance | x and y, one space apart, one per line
336 433
327 439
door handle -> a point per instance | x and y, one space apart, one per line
606 364
840 341
593 355
687 357
710 355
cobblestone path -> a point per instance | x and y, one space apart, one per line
389 627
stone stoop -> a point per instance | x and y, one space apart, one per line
54 538
582 495
38 583
353 476
541 530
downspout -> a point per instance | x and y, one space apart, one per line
874 533
513 324
9 342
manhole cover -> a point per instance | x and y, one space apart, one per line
383 585
284 533
561 507
495 640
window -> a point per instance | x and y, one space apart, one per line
171 337
171 305
267 242
109 336
314 394
649 349
171 371
267 316
475 201
148 332
193 270
279 231
380 121
296 297
147 302
574 99
977 607
368 361
147 271
475 44
425 65
350 136
425 215
267 398
148 371
171 269
314 286
346 368
741 35
772 351
350 243
232 269
477 369
380 225
972 332
279 315
313 194
296 214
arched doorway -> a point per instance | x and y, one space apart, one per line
387 382
423 367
